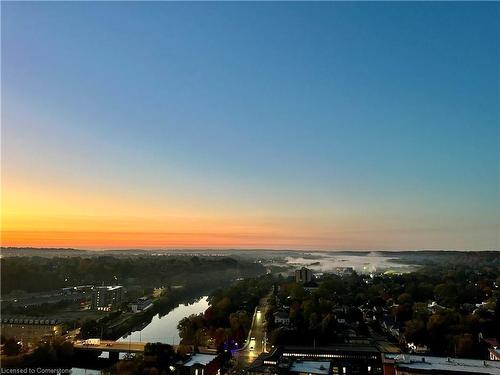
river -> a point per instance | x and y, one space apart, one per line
164 329
161 329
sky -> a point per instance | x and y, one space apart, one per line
371 126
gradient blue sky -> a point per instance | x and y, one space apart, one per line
269 125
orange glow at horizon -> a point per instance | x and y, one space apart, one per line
66 216
109 240
34 216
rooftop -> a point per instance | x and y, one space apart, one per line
451 365
331 349
201 359
110 287
387 347
311 367
281 314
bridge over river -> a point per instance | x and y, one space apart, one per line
114 348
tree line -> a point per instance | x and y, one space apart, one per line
37 274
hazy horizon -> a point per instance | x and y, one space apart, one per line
301 126
227 249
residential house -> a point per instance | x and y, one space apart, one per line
282 318
201 364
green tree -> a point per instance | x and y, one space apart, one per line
415 331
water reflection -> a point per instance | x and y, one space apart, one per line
164 328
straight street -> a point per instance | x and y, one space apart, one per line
257 338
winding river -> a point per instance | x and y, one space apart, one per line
164 329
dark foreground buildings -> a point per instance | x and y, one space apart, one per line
30 330
201 364
407 364
340 359
362 360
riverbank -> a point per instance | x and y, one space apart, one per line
118 324
163 329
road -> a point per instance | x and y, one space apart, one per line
257 336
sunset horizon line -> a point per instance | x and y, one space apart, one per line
306 250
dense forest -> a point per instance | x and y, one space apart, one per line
37 274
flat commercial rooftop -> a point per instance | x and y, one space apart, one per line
332 348
387 347
447 365
202 359
311 367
